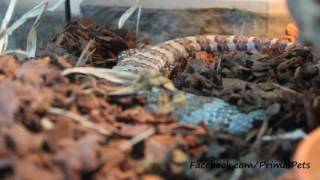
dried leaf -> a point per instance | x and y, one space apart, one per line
131 130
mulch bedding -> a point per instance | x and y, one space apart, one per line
67 127
284 83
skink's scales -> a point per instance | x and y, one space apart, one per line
210 110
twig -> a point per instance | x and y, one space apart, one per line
294 135
138 21
140 137
309 110
85 54
218 70
79 119
286 89
260 134
111 75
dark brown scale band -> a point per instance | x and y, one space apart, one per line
157 53
186 43
169 47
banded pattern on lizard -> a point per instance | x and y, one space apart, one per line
155 58
213 111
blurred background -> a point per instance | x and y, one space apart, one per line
165 19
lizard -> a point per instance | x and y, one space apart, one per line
210 110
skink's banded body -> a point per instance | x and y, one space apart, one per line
198 108
156 57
